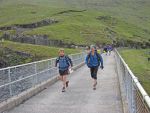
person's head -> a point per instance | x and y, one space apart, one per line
93 48
61 52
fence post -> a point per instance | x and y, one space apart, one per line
36 79
83 56
9 77
133 98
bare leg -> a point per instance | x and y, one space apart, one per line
64 80
60 78
95 83
64 83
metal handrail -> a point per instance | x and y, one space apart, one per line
38 73
136 82
35 62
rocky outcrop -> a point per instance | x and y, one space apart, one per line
39 40
41 23
11 57
35 39
68 11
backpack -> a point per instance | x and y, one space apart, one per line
64 62
98 59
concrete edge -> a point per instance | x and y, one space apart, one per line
22 97
78 66
16 100
123 97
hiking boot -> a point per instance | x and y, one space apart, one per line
94 88
63 89
67 83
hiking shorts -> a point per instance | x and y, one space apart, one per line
94 72
63 72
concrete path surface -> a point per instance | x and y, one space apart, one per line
79 97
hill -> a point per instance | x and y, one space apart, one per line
81 22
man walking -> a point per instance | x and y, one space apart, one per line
93 61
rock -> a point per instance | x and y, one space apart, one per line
30 25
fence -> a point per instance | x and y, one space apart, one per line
16 79
137 99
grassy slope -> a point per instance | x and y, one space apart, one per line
1 33
137 61
79 28
43 52
133 21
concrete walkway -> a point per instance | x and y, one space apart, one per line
80 97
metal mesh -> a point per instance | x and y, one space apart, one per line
4 93
14 80
20 72
4 76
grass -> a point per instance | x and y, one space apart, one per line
78 28
1 33
132 21
137 61
42 52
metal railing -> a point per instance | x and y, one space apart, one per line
17 79
138 101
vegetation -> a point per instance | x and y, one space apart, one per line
38 50
12 53
1 33
139 64
78 21
81 22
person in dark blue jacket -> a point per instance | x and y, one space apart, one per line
64 64
93 61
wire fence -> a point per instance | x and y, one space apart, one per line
138 101
17 79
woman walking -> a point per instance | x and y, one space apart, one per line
93 61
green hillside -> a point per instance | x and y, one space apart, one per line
12 53
117 19
40 51
80 22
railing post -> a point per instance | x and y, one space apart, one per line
48 67
133 97
9 77
36 79
83 56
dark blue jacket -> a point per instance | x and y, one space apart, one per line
94 61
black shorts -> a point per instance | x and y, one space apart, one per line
94 72
63 72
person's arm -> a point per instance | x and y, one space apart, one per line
70 61
56 62
101 61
